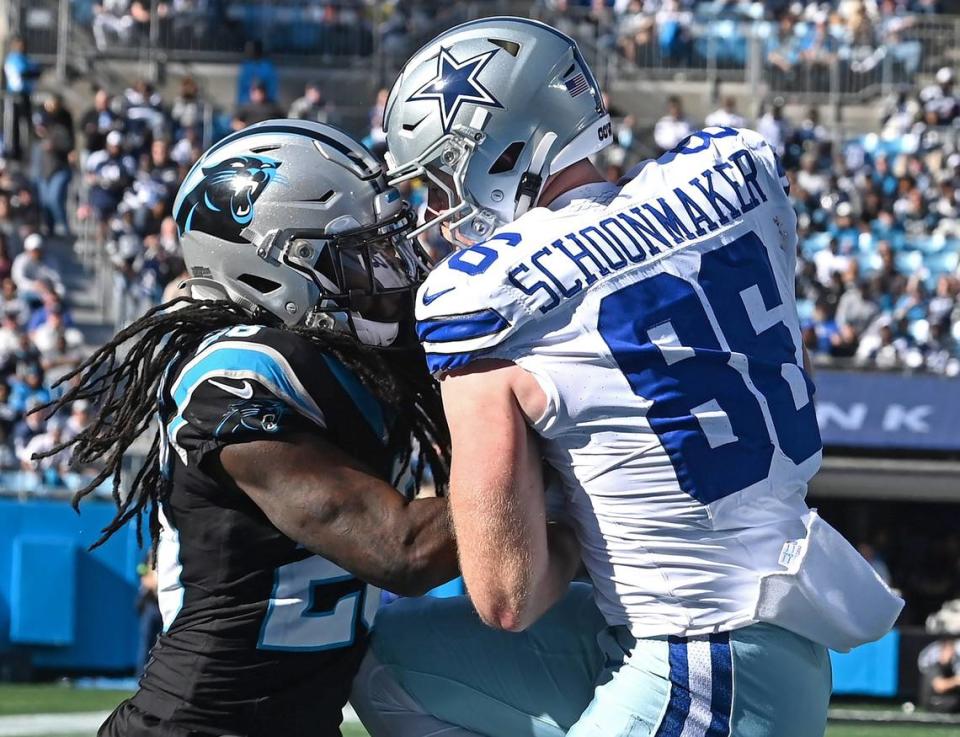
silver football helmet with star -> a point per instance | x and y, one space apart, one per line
485 113
296 219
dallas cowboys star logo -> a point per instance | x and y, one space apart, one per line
456 83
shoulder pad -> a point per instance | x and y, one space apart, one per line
472 300
241 383
714 145
764 153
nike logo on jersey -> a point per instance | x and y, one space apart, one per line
244 392
429 299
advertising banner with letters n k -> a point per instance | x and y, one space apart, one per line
886 410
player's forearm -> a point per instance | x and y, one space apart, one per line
516 573
322 499
421 553
563 561
404 547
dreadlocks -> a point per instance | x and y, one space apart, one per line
126 389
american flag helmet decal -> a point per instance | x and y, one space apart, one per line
577 84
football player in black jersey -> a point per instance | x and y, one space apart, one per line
290 408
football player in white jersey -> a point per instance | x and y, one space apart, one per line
640 340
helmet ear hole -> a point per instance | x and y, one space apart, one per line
508 159
262 285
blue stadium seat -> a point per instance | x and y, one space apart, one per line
941 263
909 262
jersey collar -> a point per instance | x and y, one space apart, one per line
593 193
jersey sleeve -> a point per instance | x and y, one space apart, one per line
252 383
473 302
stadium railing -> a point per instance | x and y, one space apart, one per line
714 49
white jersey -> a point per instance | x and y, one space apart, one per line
659 318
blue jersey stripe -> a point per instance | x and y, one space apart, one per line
679 706
440 362
273 374
721 684
461 327
369 407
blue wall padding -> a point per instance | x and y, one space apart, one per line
868 670
43 591
95 590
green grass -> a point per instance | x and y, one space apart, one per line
857 730
844 730
53 699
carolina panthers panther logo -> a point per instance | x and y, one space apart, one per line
222 204
252 414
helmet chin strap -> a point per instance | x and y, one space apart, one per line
531 183
376 334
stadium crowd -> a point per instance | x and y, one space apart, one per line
800 40
879 219
311 26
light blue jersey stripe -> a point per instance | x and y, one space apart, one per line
233 359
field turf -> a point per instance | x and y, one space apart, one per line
53 699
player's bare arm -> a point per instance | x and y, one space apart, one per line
515 564
324 499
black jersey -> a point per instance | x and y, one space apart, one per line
260 636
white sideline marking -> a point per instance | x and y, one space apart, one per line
86 723
27 725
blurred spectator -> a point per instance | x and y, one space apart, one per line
900 113
376 139
258 109
29 425
27 388
144 117
6 262
98 121
51 303
11 333
939 99
774 127
783 51
673 23
672 127
8 421
126 252
188 148
885 348
872 557
34 273
726 115
162 170
53 468
19 71
46 335
109 173
78 420
256 70
113 23
830 261
939 664
312 106
54 129
187 109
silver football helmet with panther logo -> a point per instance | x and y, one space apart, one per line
486 112
296 219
